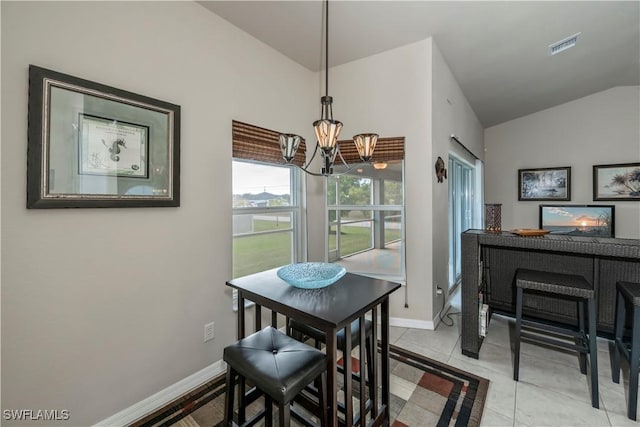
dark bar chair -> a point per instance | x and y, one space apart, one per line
628 294
299 330
280 367
564 286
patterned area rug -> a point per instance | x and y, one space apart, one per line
424 392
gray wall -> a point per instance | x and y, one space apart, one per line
410 92
102 308
603 128
452 114
389 94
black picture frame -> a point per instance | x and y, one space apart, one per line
95 146
544 184
617 182
579 220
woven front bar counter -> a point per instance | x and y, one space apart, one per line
490 261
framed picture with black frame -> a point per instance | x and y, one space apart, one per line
619 182
579 220
91 145
544 184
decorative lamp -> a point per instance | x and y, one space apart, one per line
327 129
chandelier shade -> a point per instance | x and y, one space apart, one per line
327 132
365 144
289 144
388 149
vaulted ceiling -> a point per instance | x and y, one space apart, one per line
497 51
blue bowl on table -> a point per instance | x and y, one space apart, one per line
311 275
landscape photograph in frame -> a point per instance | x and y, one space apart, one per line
544 184
578 220
619 182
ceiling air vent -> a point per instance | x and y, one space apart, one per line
563 44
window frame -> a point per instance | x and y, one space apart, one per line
332 254
295 209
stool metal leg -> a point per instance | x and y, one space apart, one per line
242 400
593 354
228 397
284 411
268 411
619 332
322 399
516 357
583 336
634 365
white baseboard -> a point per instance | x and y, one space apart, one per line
419 324
163 397
411 323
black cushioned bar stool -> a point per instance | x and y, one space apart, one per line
280 367
628 293
566 286
296 328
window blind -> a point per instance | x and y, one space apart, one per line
255 143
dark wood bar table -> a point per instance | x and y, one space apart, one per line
329 309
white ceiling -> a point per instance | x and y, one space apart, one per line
497 51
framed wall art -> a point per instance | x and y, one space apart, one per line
544 184
92 145
619 182
579 220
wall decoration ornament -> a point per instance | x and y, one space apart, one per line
92 145
441 171
544 184
620 182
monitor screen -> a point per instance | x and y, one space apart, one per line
579 220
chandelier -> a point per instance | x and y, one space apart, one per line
327 130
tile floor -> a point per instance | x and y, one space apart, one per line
551 390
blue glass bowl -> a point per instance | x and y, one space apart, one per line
311 275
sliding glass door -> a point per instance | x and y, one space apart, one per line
461 211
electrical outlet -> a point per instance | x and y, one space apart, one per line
209 331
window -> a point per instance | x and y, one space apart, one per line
266 216
365 209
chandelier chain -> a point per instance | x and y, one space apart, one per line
327 129
326 50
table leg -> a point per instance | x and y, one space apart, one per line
240 332
332 378
348 383
384 343
363 382
241 385
258 319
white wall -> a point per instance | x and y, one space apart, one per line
603 128
410 91
104 307
452 114
389 94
